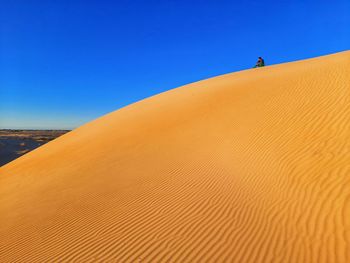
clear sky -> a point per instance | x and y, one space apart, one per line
66 62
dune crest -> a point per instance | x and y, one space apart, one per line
252 166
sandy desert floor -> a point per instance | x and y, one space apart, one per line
15 143
252 166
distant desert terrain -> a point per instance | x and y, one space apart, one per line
15 143
252 166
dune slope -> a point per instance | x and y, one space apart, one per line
252 166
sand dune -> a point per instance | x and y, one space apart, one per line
252 166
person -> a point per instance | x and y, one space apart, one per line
260 63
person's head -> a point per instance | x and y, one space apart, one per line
260 57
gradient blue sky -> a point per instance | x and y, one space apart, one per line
66 62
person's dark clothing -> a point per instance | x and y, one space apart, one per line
260 63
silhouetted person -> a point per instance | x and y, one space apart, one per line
260 63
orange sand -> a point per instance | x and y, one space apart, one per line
252 166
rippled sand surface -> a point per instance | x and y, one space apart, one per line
252 166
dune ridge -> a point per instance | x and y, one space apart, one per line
252 166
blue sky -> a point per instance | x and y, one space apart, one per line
64 63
